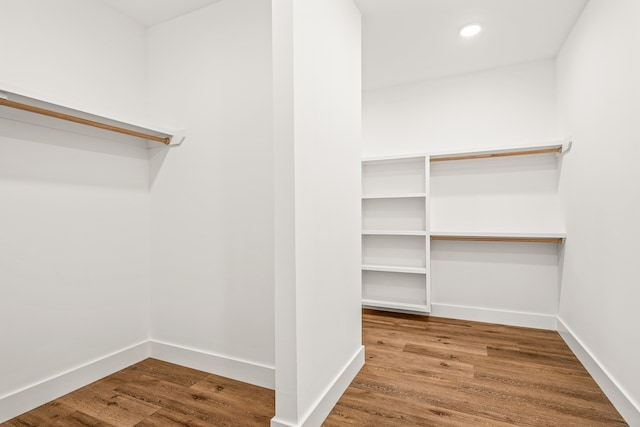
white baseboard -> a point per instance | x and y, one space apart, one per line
616 394
52 388
325 403
236 369
503 317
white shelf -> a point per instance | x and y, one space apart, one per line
421 308
20 96
394 232
409 157
503 234
394 196
394 269
563 146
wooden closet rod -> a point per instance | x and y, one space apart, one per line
500 239
504 154
80 120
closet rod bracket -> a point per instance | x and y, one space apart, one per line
566 145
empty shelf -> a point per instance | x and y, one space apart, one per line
394 232
395 269
395 196
421 308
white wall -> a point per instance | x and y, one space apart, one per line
317 131
498 282
599 94
74 258
491 108
212 198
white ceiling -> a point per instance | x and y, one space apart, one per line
151 12
411 40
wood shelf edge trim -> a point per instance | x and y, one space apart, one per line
82 121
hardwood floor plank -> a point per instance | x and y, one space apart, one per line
42 415
111 407
204 405
257 401
167 371
410 364
78 419
560 405
570 381
168 418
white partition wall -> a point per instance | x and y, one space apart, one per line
317 223
74 232
212 198
599 95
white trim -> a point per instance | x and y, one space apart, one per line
489 315
328 399
629 409
218 364
32 396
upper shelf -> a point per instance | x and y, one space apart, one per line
557 147
20 106
394 196
486 154
489 236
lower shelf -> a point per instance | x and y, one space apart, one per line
395 290
370 303
394 269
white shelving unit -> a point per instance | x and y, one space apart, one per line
395 236
21 106
406 203
497 195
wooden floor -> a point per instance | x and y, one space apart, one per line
428 371
155 393
419 371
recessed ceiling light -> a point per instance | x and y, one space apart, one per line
470 30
